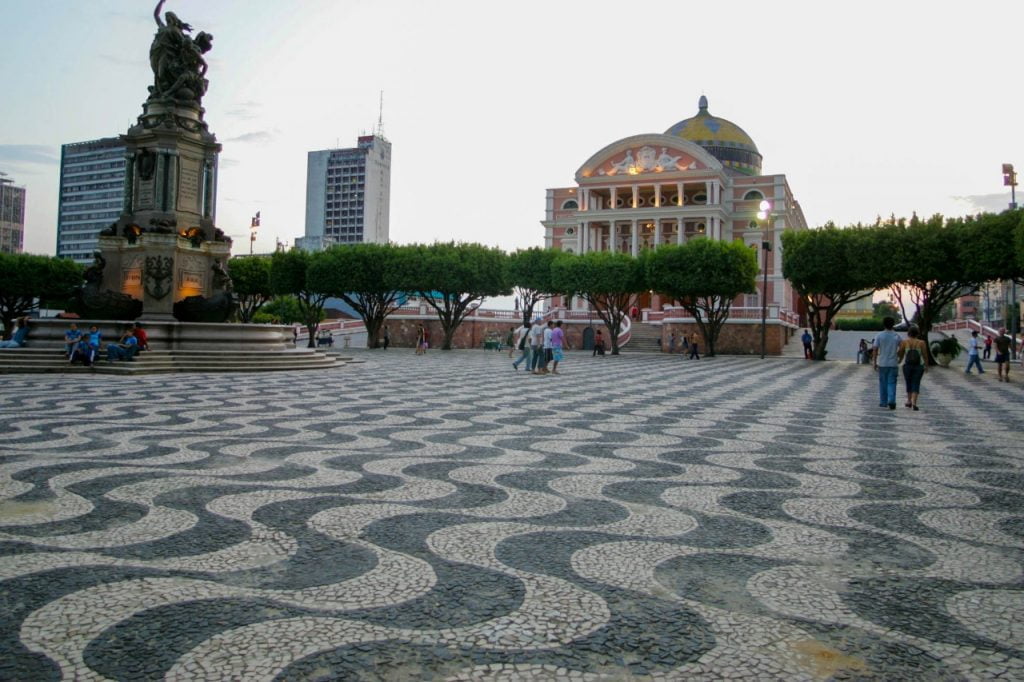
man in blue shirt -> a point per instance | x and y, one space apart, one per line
17 339
887 363
71 337
125 349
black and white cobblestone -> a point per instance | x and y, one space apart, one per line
445 517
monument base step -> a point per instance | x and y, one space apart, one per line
48 360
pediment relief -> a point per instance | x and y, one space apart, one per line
647 159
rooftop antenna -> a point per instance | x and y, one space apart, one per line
379 132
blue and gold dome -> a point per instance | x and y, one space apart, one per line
723 139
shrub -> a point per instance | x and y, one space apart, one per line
947 346
859 324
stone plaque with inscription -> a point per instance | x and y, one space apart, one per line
146 197
188 184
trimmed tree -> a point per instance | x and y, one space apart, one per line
288 277
26 278
608 281
454 279
704 277
250 276
369 277
830 268
530 275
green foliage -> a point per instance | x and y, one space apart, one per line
704 276
282 310
369 277
250 277
884 309
947 346
454 279
288 276
26 278
859 324
530 276
831 267
609 281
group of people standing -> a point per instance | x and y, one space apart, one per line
1002 344
540 345
422 339
686 345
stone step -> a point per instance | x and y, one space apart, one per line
29 360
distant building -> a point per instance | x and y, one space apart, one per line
348 195
12 216
700 178
91 194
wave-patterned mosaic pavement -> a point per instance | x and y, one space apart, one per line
446 517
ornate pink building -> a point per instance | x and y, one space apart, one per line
700 178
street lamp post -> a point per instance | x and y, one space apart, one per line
1010 179
766 246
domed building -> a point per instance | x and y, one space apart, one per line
701 178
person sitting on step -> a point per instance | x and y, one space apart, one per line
125 349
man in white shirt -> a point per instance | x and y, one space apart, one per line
546 349
522 341
536 341
972 354
886 345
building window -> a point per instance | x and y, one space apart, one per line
570 205
753 195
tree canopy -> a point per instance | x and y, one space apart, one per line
27 278
703 276
250 277
607 280
530 276
371 278
288 276
454 279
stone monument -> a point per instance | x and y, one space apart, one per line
165 250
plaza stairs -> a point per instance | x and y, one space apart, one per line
644 338
49 360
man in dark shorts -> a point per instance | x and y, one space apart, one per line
1003 355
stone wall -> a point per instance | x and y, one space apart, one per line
734 339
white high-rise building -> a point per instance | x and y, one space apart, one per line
348 195
12 216
91 194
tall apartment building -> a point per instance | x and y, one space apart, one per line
12 216
348 194
91 194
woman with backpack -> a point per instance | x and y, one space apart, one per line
914 356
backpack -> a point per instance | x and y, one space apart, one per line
913 357
522 340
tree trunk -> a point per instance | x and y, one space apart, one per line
312 335
373 332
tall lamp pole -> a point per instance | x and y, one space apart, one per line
764 215
1010 179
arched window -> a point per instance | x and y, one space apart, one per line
570 205
753 195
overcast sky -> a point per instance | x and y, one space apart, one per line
869 108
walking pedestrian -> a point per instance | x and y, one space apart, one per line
536 343
419 339
807 339
693 347
1003 355
912 353
988 348
598 344
546 347
510 340
672 343
557 343
887 363
972 354
387 337
522 342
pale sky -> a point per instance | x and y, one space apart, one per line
868 108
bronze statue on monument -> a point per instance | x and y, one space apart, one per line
165 248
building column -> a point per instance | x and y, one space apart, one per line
707 192
657 232
579 237
657 195
636 195
635 244
679 231
614 196
679 191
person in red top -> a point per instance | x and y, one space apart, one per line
988 347
140 335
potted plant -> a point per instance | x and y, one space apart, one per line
946 350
